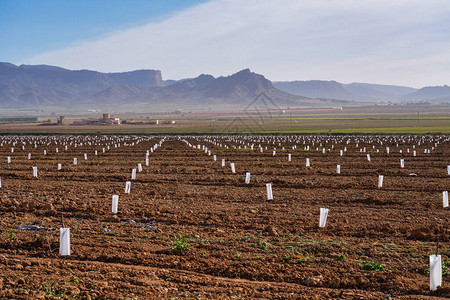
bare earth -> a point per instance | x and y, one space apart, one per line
240 245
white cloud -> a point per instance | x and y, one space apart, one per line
395 42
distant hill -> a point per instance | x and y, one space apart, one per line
237 89
378 91
42 85
431 93
48 85
364 92
51 86
315 89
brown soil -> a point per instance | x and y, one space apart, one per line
241 246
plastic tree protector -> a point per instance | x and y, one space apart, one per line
127 187
380 181
323 217
247 177
435 271
269 191
64 241
115 203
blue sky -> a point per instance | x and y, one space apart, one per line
400 42
30 27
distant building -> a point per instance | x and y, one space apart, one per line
167 122
108 120
115 121
61 120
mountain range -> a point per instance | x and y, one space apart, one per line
364 92
43 85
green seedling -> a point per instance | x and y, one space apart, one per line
342 257
374 266
445 268
300 261
11 235
180 243
74 279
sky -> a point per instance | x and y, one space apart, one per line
399 42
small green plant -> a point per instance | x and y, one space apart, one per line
11 235
237 255
445 268
180 243
374 266
258 257
342 257
52 290
286 258
300 261
74 279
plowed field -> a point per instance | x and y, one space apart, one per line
192 229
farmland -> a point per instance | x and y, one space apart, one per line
190 228
407 119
